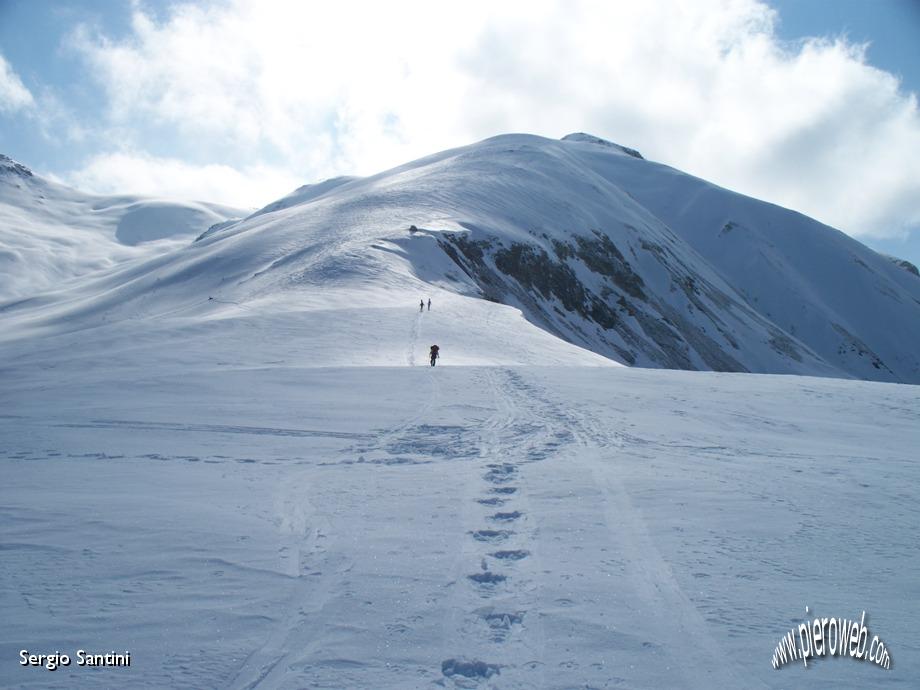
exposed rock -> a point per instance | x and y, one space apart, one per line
628 320
10 167
903 263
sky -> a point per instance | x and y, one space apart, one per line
811 104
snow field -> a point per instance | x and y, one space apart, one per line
507 527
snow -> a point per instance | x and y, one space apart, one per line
713 280
283 525
231 459
811 280
50 234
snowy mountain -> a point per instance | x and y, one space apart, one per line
624 257
856 309
230 459
50 233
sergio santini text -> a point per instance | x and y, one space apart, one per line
83 658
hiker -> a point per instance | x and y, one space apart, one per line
434 354
421 305
429 304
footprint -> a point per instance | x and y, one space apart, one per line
500 622
487 578
503 620
468 669
500 474
495 501
491 534
506 517
503 490
511 555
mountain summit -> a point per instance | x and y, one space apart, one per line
591 139
590 242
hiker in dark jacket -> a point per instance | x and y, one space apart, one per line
434 354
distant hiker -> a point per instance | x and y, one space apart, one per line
429 304
434 354
421 305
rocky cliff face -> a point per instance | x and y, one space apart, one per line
586 290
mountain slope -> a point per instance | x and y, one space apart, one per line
859 310
591 243
50 234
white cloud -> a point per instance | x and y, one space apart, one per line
138 173
13 93
703 85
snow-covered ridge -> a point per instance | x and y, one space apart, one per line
853 307
617 255
51 234
307 192
591 139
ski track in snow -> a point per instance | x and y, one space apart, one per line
413 339
501 624
210 428
264 668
